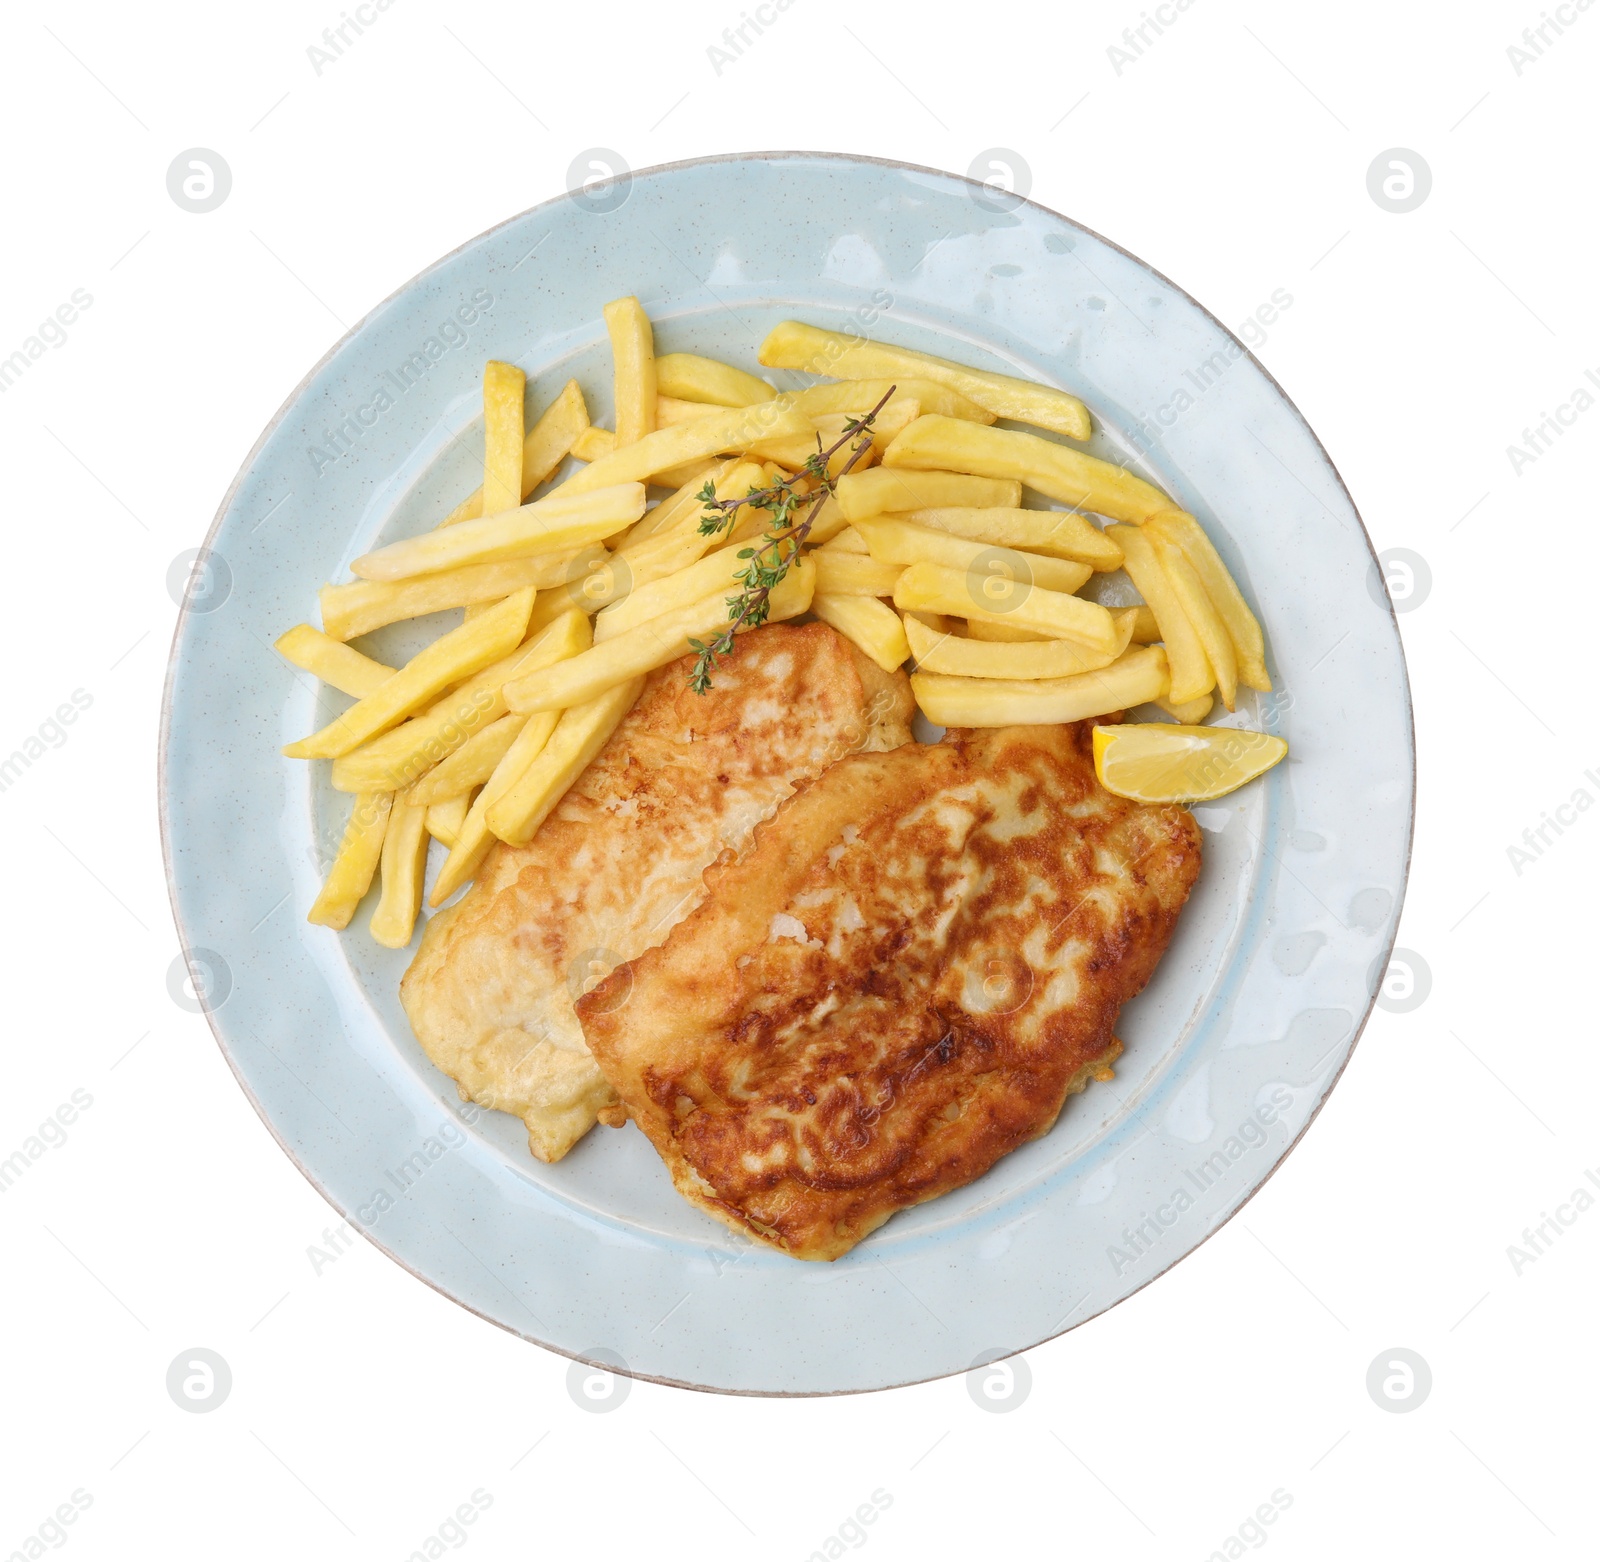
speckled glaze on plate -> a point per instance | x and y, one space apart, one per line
1230 1052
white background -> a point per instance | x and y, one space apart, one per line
1232 155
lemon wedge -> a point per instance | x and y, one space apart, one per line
1157 762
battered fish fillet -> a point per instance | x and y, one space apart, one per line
684 778
920 958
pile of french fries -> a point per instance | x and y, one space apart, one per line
923 552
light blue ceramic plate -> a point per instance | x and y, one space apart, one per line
1230 1052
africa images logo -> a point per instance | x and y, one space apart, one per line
453 332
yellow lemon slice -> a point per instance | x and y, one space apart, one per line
1154 762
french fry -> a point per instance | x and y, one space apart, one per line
676 476
1062 534
324 657
680 506
680 542
1145 628
560 523
847 541
1191 672
693 378
939 623
361 606
830 519
450 658
719 571
671 552
854 575
732 479
875 492
867 622
1135 677
350 874
548 605
672 511
940 589
966 658
504 385
793 453
593 443
548 444
1008 634
670 410
466 857
893 540
887 427
444 820
1197 608
1063 473
471 765
649 645
633 357
1225 595
651 565
1191 713
405 854
403 757
727 429
896 417
858 396
792 345
597 442
520 753
474 838
579 735
603 579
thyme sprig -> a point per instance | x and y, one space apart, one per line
769 562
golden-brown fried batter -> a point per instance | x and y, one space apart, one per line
921 956
684 779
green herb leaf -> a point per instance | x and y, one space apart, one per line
784 537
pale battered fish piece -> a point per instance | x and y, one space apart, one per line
684 779
920 958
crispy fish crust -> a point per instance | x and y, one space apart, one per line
921 956
684 779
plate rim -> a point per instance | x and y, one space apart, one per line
185 608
